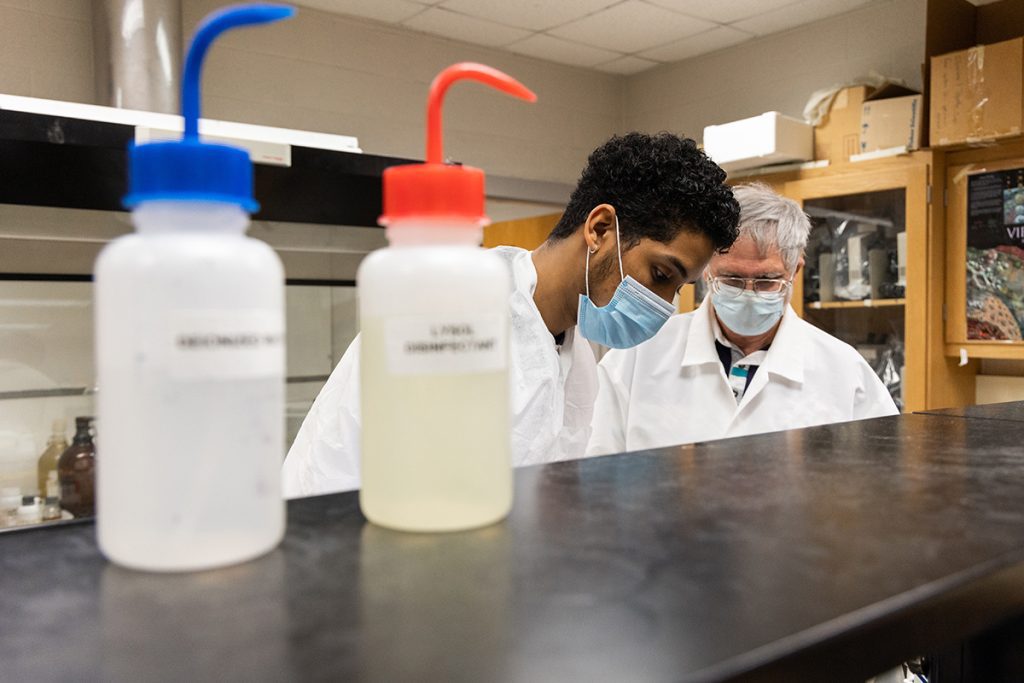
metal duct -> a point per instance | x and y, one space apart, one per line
137 47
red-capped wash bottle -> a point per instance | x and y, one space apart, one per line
435 343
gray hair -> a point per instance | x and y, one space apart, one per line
773 222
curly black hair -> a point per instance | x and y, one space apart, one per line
659 185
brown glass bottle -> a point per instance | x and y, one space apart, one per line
76 470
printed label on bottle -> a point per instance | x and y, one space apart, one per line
225 344
450 345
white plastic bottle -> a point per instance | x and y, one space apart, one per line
434 350
190 355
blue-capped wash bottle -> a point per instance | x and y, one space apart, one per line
190 353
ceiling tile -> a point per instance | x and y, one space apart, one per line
562 51
797 14
702 43
722 12
537 15
469 29
630 27
626 65
379 10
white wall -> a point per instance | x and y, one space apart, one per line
46 49
778 72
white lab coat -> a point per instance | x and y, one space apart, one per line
673 389
552 399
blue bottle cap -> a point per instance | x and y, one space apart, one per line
189 169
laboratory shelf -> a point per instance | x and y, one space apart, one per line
866 303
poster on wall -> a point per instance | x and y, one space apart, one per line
995 255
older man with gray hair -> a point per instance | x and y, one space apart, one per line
744 362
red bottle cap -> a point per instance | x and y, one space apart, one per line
435 190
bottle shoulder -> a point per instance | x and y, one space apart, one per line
416 281
456 260
163 251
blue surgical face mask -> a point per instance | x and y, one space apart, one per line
634 315
748 314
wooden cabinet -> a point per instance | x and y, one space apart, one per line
885 197
994 367
853 210
526 233
965 207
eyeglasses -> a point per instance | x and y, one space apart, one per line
764 288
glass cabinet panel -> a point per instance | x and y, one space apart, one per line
854 282
47 366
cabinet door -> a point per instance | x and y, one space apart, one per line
985 259
855 285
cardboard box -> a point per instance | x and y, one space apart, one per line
892 122
770 138
977 94
952 25
838 135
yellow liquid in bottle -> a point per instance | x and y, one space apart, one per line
435 447
48 462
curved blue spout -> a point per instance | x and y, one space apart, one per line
208 31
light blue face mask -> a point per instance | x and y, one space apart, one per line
634 315
748 314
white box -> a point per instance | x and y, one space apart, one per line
770 138
892 122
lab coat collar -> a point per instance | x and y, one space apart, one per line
700 339
785 356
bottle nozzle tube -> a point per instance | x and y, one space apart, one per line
189 169
209 29
457 72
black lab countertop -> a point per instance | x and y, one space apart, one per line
828 553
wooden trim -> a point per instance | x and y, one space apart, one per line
986 349
956 253
915 322
1011 148
866 303
948 385
854 181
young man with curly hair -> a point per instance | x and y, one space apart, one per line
645 218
